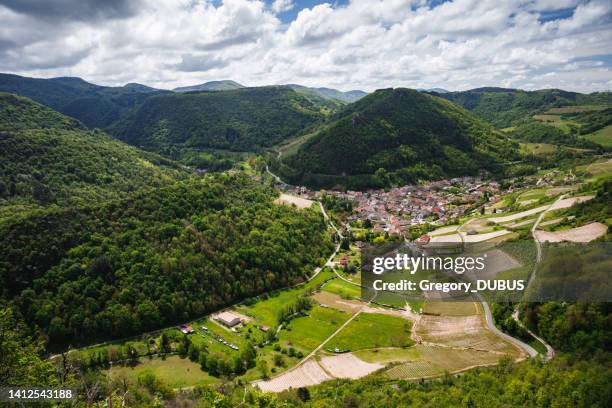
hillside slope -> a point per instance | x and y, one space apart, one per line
94 105
48 158
397 136
242 119
502 107
156 258
226 85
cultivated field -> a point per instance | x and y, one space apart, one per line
348 366
461 331
484 237
435 361
335 301
309 373
568 202
586 233
443 231
452 308
518 215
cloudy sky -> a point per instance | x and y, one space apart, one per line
347 44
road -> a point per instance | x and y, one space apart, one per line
489 317
550 352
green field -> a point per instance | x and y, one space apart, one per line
388 355
373 330
602 136
265 311
343 289
306 333
175 371
538 148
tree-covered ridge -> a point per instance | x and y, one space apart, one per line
398 136
19 113
94 105
243 119
502 107
157 258
48 159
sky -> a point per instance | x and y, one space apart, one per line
345 44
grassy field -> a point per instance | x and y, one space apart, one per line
602 136
306 333
538 148
599 170
373 330
388 355
265 311
343 289
175 371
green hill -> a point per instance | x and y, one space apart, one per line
94 105
396 136
243 119
330 94
226 85
48 158
155 258
502 107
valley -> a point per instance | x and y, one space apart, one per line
135 265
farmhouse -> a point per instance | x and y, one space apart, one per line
186 329
228 319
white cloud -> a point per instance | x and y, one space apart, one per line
365 44
280 6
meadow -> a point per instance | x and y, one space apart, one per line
373 330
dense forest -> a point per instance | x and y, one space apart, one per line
48 158
156 258
94 105
502 107
397 136
241 119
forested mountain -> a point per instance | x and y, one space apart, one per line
94 105
155 258
502 106
331 94
397 136
226 85
48 158
242 119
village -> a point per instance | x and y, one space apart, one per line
396 209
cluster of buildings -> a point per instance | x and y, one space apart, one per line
394 210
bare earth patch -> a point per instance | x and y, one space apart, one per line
568 202
335 301
516 216
558 190
309 373
451 238
497 261
348 366
443 230
299 202
586 233
484 237
462 332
